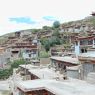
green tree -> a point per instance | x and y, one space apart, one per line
57 41
56 24
4 74
45 27
54 41
16 63
92 20
56 33
47 45
42 40
35 30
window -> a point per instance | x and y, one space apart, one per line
90 42
29 55
84 42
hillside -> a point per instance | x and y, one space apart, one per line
86 21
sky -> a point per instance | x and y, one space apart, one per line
26 14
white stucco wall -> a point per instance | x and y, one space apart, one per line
73 74
77 48
26 55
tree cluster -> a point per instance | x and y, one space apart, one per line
5 73
54 40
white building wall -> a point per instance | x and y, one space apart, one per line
73 74
93 43
26 55
91 52
81 28
86 28
61 31
77 48
77 30
70 29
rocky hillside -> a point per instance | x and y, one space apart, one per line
86 21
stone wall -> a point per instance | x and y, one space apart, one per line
44 61
87 68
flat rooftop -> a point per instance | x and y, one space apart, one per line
65 87
66 59
30 66
73 68
91 55
44 73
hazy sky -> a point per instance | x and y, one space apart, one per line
25 14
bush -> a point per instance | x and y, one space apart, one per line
5 73
44 54
16 63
